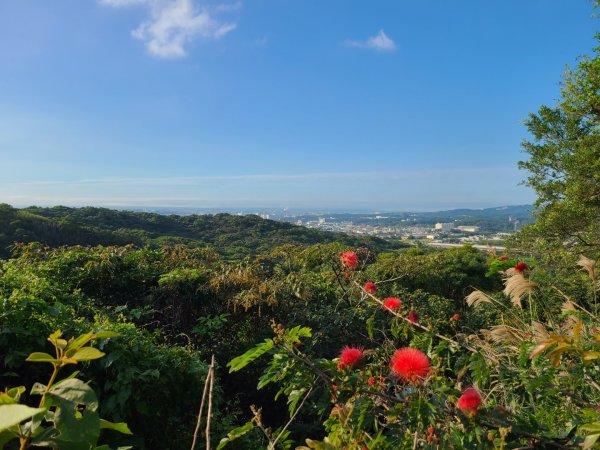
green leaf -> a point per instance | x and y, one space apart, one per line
594 427
11 396
121 427
80 341
76 391
590 440
235 433
87 354
106 334
41 357
293 397
242 361
7 436
14 414
371 326
54 336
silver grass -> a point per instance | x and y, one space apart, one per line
589 265
516 286
476 298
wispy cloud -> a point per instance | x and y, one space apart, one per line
174 23
278 177
380 42
413 189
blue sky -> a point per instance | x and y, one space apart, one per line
397 105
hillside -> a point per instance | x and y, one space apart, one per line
232 236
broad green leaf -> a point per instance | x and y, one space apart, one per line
121 427
235 433
593 427
242 361
80 341
76 391
14 414
87 354
590 440
106 334
6 399
54 336
61 343
41 357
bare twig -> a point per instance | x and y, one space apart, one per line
577 305
206 383
272 446
210 395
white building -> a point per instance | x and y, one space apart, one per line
468 228
444 226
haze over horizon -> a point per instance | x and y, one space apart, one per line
402 106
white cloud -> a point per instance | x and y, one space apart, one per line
174 23
381 42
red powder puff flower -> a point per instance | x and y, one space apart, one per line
340 366
392 303
350 356
455 317
346 275
413 316
410 364
502 258
520 267
349 259
469 402
370 287
371 381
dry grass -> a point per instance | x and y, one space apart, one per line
476 298
516 286
589 265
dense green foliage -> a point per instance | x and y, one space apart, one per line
175 306
67 414
232 236
564 165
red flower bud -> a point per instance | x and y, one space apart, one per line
392 303
520 267
413 316
469 402
349 259
350 356
370 287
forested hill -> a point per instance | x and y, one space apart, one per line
232 236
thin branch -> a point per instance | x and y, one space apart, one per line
208 377
272 446
210 396
576 304
418 325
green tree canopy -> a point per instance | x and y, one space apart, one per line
564 164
